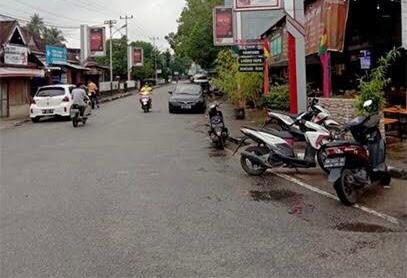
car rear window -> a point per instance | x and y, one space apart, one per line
50 92
188 90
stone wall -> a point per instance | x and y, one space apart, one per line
342 110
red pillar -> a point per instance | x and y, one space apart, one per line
292 74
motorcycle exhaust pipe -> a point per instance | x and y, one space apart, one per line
255 159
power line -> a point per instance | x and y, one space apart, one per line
46 24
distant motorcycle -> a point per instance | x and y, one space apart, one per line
217 130
145 101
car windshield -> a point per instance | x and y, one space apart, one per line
51 92
188 90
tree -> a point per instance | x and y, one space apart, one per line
53 36
37 27
194 35
119 57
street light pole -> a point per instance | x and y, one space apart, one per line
126 18
111 23
154 39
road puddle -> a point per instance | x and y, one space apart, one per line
272 195
362 228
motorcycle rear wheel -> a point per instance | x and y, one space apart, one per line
253 169
345 189
75 122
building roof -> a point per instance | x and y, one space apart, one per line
20 72
6 27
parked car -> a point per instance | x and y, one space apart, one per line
187 97
52 100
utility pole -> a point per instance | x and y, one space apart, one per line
126 18
111 22
154 39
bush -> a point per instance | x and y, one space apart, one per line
373 84
278 99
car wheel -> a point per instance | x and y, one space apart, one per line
35 119
170 109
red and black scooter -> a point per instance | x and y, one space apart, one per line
354 166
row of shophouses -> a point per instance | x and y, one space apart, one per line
23 68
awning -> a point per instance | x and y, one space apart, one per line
75 66
20 72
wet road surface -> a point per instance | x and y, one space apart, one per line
144 195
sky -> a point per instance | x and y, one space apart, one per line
151 18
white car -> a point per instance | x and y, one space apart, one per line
52 100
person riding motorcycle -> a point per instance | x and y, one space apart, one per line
79 97
92 92
146 90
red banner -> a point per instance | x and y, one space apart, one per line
329 15
137 57
223 26
97 41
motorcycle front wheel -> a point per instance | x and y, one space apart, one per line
250 167
345 188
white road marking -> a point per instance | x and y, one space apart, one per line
383 216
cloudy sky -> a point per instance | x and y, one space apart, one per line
152 18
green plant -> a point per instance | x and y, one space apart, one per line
279 98
373 84
240 87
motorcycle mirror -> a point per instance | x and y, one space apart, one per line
367 103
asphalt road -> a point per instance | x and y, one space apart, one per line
144 195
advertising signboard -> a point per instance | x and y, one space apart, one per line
55 55
97 39
365 59
15 55
256 5
223 27
137 56
253 68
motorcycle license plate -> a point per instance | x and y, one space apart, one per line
47 111
334 162
186 106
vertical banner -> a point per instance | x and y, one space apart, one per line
137 56
97 39
223 27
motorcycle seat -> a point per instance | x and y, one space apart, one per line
278 133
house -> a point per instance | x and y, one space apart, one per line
18 67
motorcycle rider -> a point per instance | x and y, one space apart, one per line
92 90
79 96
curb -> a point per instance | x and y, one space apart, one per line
115 98
395 172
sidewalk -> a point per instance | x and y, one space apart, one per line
10 123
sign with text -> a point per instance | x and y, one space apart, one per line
251 52
256 5
97 39
137 56
365 59
253 68
15 55
254 60
223 26
55 55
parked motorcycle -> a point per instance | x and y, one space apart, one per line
273 149
145 101
217 130
316 114
76 115
357 165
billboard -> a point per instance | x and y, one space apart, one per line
15 55
96 41
223 27
55 55
256 5
137 56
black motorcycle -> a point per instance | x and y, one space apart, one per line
357 165
217 130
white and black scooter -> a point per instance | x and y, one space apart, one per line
316 114
217 129
145 102
273 149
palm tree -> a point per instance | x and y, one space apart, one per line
36 25
53 36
